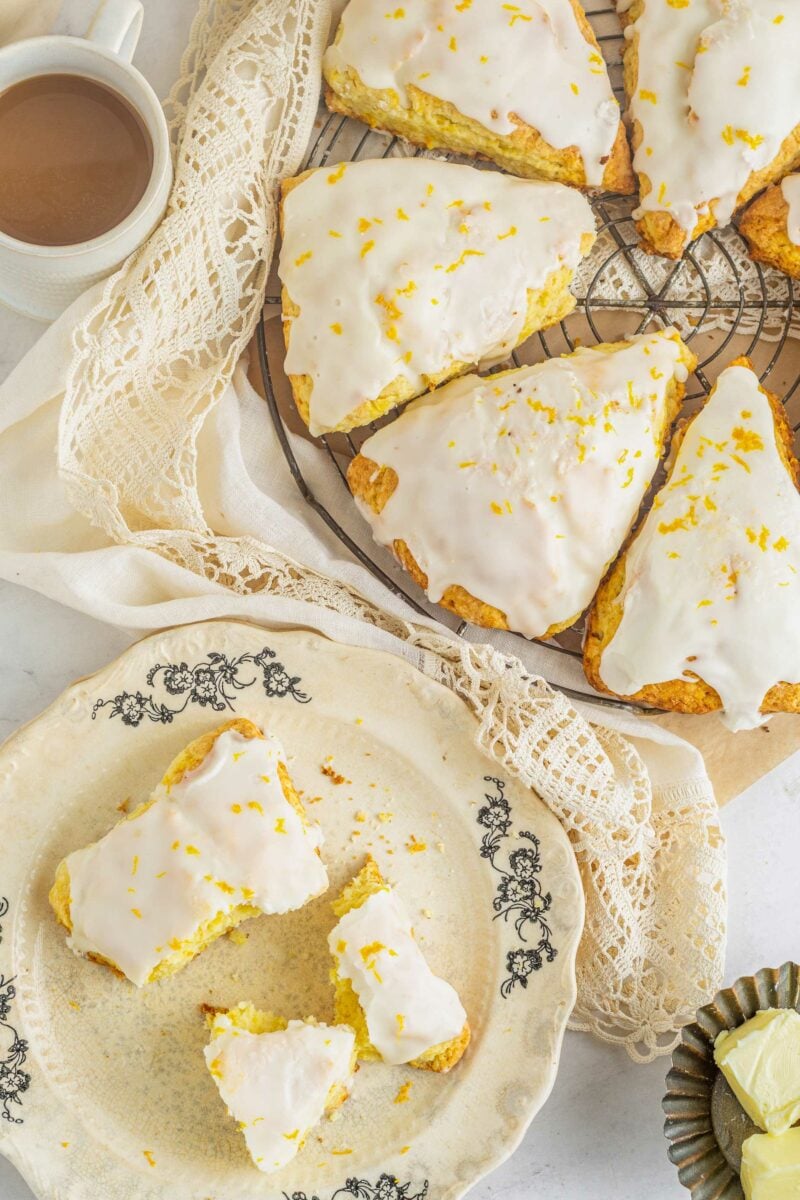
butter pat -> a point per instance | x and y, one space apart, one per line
761 1062
771 1166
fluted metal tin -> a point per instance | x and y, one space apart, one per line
705 1124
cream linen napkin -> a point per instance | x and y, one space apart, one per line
141 482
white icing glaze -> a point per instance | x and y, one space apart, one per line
225 835
717 92
402 266
791 194
276 1084
521 487
408 1008
711 580
491 60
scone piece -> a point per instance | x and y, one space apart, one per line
400 273
714 103
761 1061
507 497
699 613
771 1166
278 1078
526 88
771 226
223 837
401 1012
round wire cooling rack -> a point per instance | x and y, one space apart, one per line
723 304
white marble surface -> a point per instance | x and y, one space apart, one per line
599 1135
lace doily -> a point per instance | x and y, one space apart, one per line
156 354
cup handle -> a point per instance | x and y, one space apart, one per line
117 25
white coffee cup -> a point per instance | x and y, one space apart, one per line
40 281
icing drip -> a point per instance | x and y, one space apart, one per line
479 56
276 1085
521 487
711 580
791 194
408 1009
402 266
224 836
717 92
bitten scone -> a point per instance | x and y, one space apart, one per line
401 1012
278 1078
699 612
223 837
507 497
771 226
714 103
527 88
400 273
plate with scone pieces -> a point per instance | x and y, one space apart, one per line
271 922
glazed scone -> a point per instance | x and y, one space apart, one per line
526 88
771 226
507 497
401 1012
278 1078
223 837
714 103
400 273
699 613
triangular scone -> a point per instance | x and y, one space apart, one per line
278 1078
401 1012
699 613
525 86
771 226
400 273
507 497
223 837
713 93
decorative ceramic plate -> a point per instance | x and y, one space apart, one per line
103 1088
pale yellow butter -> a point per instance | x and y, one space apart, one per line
771 1166
761 1062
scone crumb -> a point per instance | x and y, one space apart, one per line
402 1095
332 774
426 912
